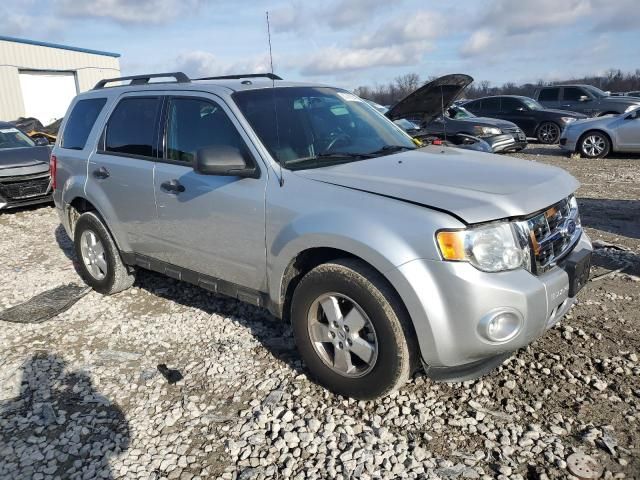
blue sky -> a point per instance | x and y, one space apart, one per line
345 42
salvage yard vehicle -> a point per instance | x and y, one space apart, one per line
536 121
303 199
585 99
24 169
597 137
431 107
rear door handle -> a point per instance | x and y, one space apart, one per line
101 173
566 105
172 186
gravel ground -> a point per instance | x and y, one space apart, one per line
81 397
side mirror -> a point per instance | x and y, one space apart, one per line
632 116
40 141
584 98
226 161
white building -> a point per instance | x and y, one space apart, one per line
39 79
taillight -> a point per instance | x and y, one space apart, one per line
53 170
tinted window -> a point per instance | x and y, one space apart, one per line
193 124
491 105
131 128
573 93
510 105
80 122
473 106
549 94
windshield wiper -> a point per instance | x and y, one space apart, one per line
330 155
388 149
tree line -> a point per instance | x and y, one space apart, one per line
388 94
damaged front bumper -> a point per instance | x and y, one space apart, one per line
24 190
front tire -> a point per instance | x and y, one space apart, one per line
100 264
352 331
548 133
594 144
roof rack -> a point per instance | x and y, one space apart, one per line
143 79
270 76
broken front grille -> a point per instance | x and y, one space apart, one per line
553 233
25 187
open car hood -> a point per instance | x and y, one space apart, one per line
431 99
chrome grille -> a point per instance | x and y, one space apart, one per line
553 233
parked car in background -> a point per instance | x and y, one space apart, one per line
635 94
597 137
24 169
585 99
536 121
303 199
431 108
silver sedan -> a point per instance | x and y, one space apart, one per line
597 137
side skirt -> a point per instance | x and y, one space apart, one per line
215 285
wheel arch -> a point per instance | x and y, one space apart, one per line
80 205
594 130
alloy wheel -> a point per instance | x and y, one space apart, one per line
93 255
593 145
342 335
549 133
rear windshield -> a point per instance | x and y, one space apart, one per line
11 137
310 127
80 123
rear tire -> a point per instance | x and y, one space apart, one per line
548 133
368 349
594 144
100 264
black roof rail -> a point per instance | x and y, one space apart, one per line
270 76
143 79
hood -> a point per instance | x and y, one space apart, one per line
24 161
475 187
431 99
622 100
487 122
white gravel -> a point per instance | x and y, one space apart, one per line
80 395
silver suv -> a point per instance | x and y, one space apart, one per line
305 200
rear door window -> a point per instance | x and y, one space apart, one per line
132 127
549 95
81 121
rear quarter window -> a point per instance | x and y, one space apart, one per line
81 121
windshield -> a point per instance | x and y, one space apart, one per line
595 91
14 138
456 111
310 127
532 104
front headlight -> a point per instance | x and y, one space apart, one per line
567 119
630 107
492 248
486 131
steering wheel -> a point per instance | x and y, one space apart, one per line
339 136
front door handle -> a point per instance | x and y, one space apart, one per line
566 106
101 173
172 186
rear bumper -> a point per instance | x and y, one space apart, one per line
448 303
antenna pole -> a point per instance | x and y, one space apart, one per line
275 108
444 119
